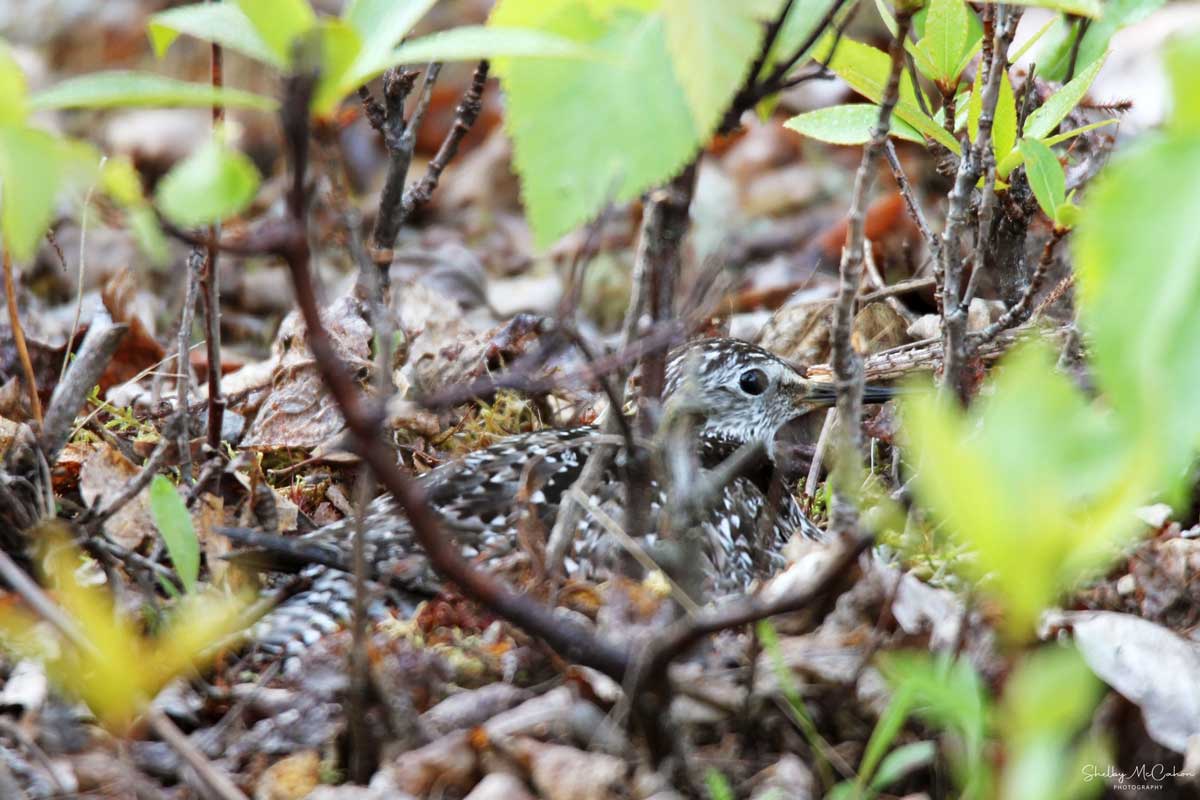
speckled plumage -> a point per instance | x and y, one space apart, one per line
483 497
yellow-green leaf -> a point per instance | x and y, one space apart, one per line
212 184
219 23
13 91
1045 175
279 22
175 524
848 124
121 89
1044 120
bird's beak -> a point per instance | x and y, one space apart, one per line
821 393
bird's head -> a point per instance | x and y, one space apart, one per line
741 392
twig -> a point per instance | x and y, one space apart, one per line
1081 28
183 381
14 322
814 469
847 364
37 600
999 28
97 349
399 137
215 781
210 280
910 200
464 118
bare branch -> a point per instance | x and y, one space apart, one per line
847 364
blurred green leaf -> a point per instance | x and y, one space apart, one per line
35 169
120 180
1044 120
1049 698
210 185
902 761
948 694
848 124
1054 56
717 785
381 24
884 733
1050 141
1036 524
118 89
175 524
13 91
339 46
1046 176
1183 63
866 69
278 23
1137 257
636 130
711 43
945 39
475 42
219 23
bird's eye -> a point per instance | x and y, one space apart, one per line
753 381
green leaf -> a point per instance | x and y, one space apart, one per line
717 785
210 185
35 168
120 180
1080 8
475 42
278 23
1054 56
711 43
636 131
1044 120
1137 258
1034 526
903 760
381 24
945 39
119 89
889 724
950 695
866 69
339 44
13 91
1046 176
219 23
1050 141
1004 121
175 524
1049 700
848 124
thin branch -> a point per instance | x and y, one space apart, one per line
216 781
183 363
999 28
399 140
210 280
847 363
138 482
910 201
14 322
465 115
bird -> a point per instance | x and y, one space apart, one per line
735 392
